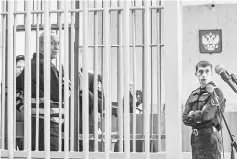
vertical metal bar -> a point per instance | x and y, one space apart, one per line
173 70
14 73
151 118
37 78
33 16
158 25
101 37
60 74
72 74
41 15
134 78
28 72
107 77
3 74
79 69
110 81
96 78
1 66
85 104
126 81
66 82
58 8
10 77
143 49
146 79
103 85
47 82
26 81
120 78
50 31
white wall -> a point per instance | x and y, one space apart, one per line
195 18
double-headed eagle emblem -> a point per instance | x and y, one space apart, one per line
210 41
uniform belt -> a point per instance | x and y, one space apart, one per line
209 130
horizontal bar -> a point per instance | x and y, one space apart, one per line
89 10
142 7
56 27
116 137
157 7
138 45
41 27
97 155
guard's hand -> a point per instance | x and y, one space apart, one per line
204 107
191 113
21 108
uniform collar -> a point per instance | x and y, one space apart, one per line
203 90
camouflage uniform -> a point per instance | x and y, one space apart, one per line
205 139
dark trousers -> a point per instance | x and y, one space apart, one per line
54 135
20 144
206 146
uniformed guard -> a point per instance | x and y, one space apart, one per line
202 113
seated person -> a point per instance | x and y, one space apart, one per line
138 100
20 65
91 104
91 91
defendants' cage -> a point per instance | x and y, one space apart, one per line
119 40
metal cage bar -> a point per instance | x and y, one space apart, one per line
72 77
85 104
47 41
10 79
1 68
3 102
173 101
28 74
158 26
134 85
106 77
120 78
134 77
126 15
66 82
146 79
60 75
96 52
151 117
14 73
89 10
37 79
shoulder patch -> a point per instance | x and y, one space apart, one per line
196 91
204 97
193 98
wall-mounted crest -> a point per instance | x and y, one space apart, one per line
210 41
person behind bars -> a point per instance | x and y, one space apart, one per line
20 65
90 100
54 94
202 114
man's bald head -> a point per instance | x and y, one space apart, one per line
54 45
